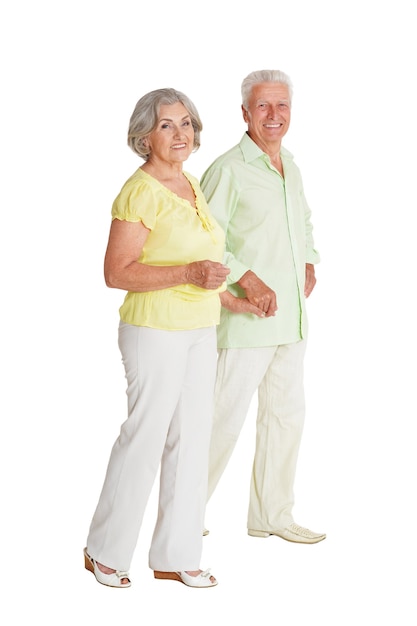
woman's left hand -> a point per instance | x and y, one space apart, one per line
206 274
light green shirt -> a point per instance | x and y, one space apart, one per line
266 220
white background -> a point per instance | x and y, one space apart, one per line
71 75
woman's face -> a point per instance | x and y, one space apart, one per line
173 138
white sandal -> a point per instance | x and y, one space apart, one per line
110 580
202 580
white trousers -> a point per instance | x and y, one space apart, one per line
170 384
277 373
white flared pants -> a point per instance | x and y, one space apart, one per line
277 373
170 383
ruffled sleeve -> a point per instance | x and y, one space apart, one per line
136 202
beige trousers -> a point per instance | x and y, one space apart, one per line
277 373
170 383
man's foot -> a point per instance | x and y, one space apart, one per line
293 532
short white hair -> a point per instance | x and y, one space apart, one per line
263 76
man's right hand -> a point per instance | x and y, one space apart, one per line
258 293
239 305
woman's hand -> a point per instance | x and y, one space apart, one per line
206 274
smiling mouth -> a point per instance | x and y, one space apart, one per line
178 146
272 125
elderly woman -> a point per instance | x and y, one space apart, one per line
165 250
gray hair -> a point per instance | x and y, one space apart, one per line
144 118
263 76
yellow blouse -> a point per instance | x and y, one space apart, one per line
179 235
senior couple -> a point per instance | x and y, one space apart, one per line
216 274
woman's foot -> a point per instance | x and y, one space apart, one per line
105 575
191 578
200 571
108 570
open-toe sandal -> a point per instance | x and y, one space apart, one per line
202 580
110 580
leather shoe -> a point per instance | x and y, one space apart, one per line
293 532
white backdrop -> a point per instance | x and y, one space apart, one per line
71 75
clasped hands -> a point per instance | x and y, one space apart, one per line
260 299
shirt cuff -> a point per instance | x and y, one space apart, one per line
237 270
312 256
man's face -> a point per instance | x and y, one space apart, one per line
268 115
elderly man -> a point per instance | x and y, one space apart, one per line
255 191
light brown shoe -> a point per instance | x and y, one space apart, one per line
293 532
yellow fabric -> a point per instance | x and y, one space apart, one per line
179 235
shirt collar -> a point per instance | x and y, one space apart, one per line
252 151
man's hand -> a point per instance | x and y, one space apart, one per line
239 305
258 293
310 279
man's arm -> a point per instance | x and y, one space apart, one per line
222 197
312 256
